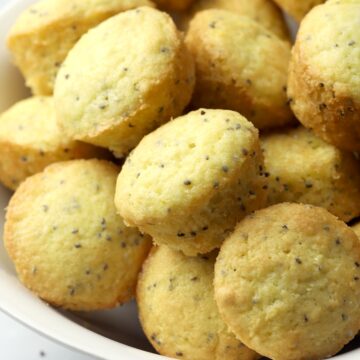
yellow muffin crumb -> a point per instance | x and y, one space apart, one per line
30 140
137 82
44 33
240 66
189 182
287 282
178 312
66 241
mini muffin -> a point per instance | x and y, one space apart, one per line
303 168
262 11
137 82
298 8
287 282
240 66
177 310
30 140
324 82
35 37
67 242
173 5
189 182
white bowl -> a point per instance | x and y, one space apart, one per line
109 335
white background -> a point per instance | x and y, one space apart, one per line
19 343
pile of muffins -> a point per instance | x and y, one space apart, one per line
194 159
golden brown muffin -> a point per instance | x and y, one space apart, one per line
44 33
177 310
298 8
324 82
30 140
264 12
66 241
189 182
303 168
147 79
287 282
240 66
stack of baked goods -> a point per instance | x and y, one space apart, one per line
186 153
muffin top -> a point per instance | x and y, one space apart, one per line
67 242
176 289
303 168
245 72
182 164
32 123
329 43
129 85
287 282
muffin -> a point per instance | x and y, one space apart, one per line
303 168
189 182
67 242
240 66
30 140
177 310
324 84
137 82
287 282
35 37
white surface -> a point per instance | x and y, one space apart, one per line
18 343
